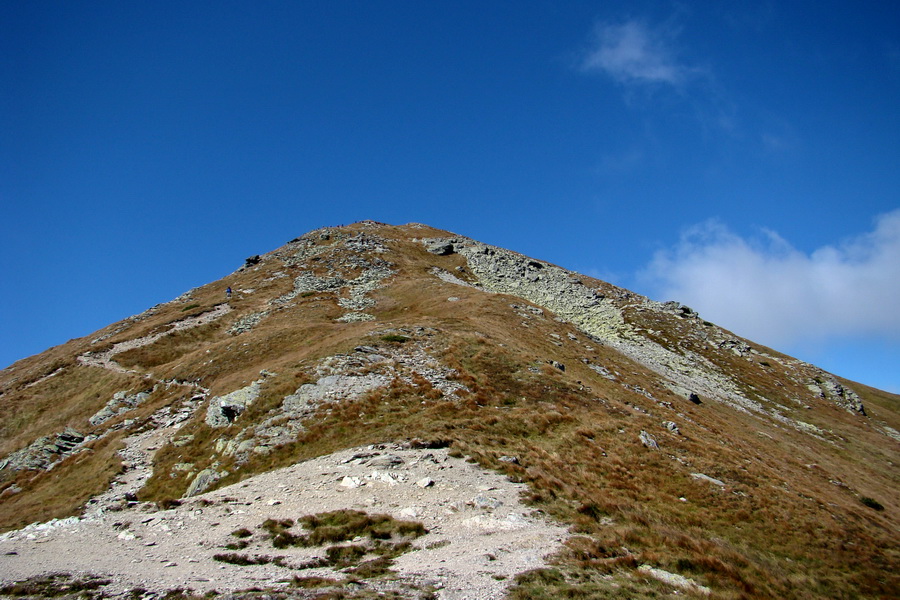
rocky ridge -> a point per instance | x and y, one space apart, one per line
600 313
654 368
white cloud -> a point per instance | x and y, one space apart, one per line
768 291
631 52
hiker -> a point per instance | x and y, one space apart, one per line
228 293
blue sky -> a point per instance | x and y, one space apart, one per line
744 160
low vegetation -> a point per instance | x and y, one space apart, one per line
799 515
56 585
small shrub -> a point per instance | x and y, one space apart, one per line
245 560
189 307
55 584
243 532
345 525
344 556
313 582
871 503
377 567
393 337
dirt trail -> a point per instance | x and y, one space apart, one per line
104 360
480 535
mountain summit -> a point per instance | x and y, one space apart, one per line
398 411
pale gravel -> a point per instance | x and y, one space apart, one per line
484 535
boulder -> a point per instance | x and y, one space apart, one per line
442 248
708 479
202 481
223 410
648 440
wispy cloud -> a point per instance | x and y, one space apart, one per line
766 290
632 52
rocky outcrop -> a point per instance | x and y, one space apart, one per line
202 481
587 308
247 322
826 386
339 378
45 452
356 289
223 410
441 248
121 403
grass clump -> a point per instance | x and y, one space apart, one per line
314 582
345 525
395 338
370 569
55 585
380 538
871 503
243 560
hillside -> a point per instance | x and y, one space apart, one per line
659 454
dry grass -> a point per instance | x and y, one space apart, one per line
33 411
62 491
790 521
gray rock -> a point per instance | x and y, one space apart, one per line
648 440
708 479
487 502
46 451
671 426
120 403
331 387
202 481
352 482
675 580
223 410
247 322
385 461
355 317
832 390
441 248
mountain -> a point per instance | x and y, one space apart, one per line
299 425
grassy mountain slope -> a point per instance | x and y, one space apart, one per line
662 439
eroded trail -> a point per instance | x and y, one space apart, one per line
105 360
479 534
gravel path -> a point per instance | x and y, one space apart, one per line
479 537
104 360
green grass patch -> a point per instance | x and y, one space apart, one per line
395 338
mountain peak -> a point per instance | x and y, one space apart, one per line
679 456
